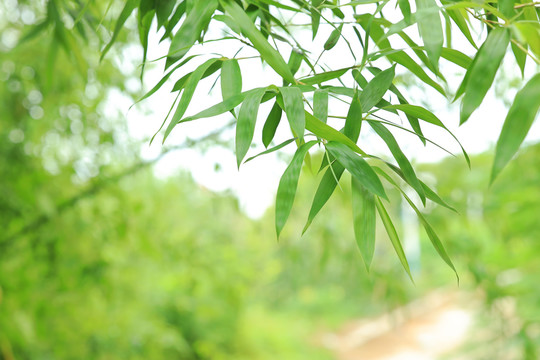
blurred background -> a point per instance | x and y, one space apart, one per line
104 257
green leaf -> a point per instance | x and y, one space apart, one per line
530 32
231 79
245 127
327 132
287 186
295 60
357 166
430 29
482 72
406 61
220 108
392 234
294 108
400 157
164 9
268 53
521 58
326 188
517 124
333 38
197 19
320 105
457 57
271 150
363 209
459 16
325 76
126 11
353 122
376 88
189 90
271 124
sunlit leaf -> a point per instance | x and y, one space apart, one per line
287 186
376 88
294 108
126 12
517 124
353 122
247 117
320 105
333 38
430 28
231 79
271 150
363 209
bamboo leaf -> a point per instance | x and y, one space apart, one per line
197 19
353 122
124 15
325 76
392 234
268 53
271 150
333 38
400 157
324 131
271 124
517 124
245 126
376 88
357 166
187 95
320 105
231 79
287 186
363 209
294 108
482 72
430 29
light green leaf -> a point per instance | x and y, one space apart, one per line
430 28
457 57
357 166
325 76
482 72
353 122
287 186
219 108
231 79
268 53
245 126
320 105
376 88
294 108
271 150
406 61
187 95
327 132
197 19
333 38
400 157
363 209
126 11
392 234
517 124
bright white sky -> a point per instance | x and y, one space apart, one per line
255 183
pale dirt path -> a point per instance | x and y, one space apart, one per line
422 330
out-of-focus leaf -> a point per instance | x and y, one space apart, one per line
271 150
507 7
268 53
247 117
197 19
164 9
405 8
320 105
363 209
459 16
517 124
294 108
288 184
295 60
430 29
457 57
231 79
530 32
357 166
333 38
521 58
482 72
126 11
392 234
173 21
189 90
376 88
400 157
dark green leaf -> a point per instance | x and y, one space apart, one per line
333 38
363 209
247 117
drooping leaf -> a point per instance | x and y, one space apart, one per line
325 76
189 90
247 117
363 209
392 234
333 38
288 184
327 132
231 79
196 21
268 53
320 105
271 150
517 124
357 166
353 122
400 157
295 60
220 108
294 108
430 28
521 58
126 11
376 88
483 70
